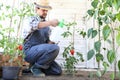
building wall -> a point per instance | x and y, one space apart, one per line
71 11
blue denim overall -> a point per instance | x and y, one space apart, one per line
38 52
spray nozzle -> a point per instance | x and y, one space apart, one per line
61 23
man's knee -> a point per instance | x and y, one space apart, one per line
56 49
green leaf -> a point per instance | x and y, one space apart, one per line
97 45
99 57
106 19
83 33
119 65
89 32
109 2
118 38
98 73
105 6
112 17
90 54
80 56
112 76
116 4
100 20
105 64
94 33
109 41
94 3
102 12
111 56
66 34
118 16
106 32
91 12
8 7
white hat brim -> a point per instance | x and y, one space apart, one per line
43 7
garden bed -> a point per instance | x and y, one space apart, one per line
80 75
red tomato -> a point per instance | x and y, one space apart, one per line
72 52
20 47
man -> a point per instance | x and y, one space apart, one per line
39 51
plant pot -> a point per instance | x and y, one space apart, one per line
0 64
0 72
10 72
5 58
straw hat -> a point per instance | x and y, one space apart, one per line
43 4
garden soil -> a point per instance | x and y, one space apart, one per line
80 75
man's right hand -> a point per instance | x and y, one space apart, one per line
54 22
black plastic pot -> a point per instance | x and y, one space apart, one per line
0 72
10 72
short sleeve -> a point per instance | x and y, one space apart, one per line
29 25
34 21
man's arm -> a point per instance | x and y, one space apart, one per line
48 23
51 42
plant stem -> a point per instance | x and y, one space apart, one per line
19 25
11 19
99 27
74 31
113 47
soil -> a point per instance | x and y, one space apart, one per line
80 75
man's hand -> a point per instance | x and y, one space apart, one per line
54 22
51 42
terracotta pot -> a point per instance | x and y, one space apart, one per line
18 60
5 58
0 57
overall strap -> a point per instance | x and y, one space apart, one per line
28 36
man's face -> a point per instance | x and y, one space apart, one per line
42 12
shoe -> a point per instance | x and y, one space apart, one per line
37 72
26 71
